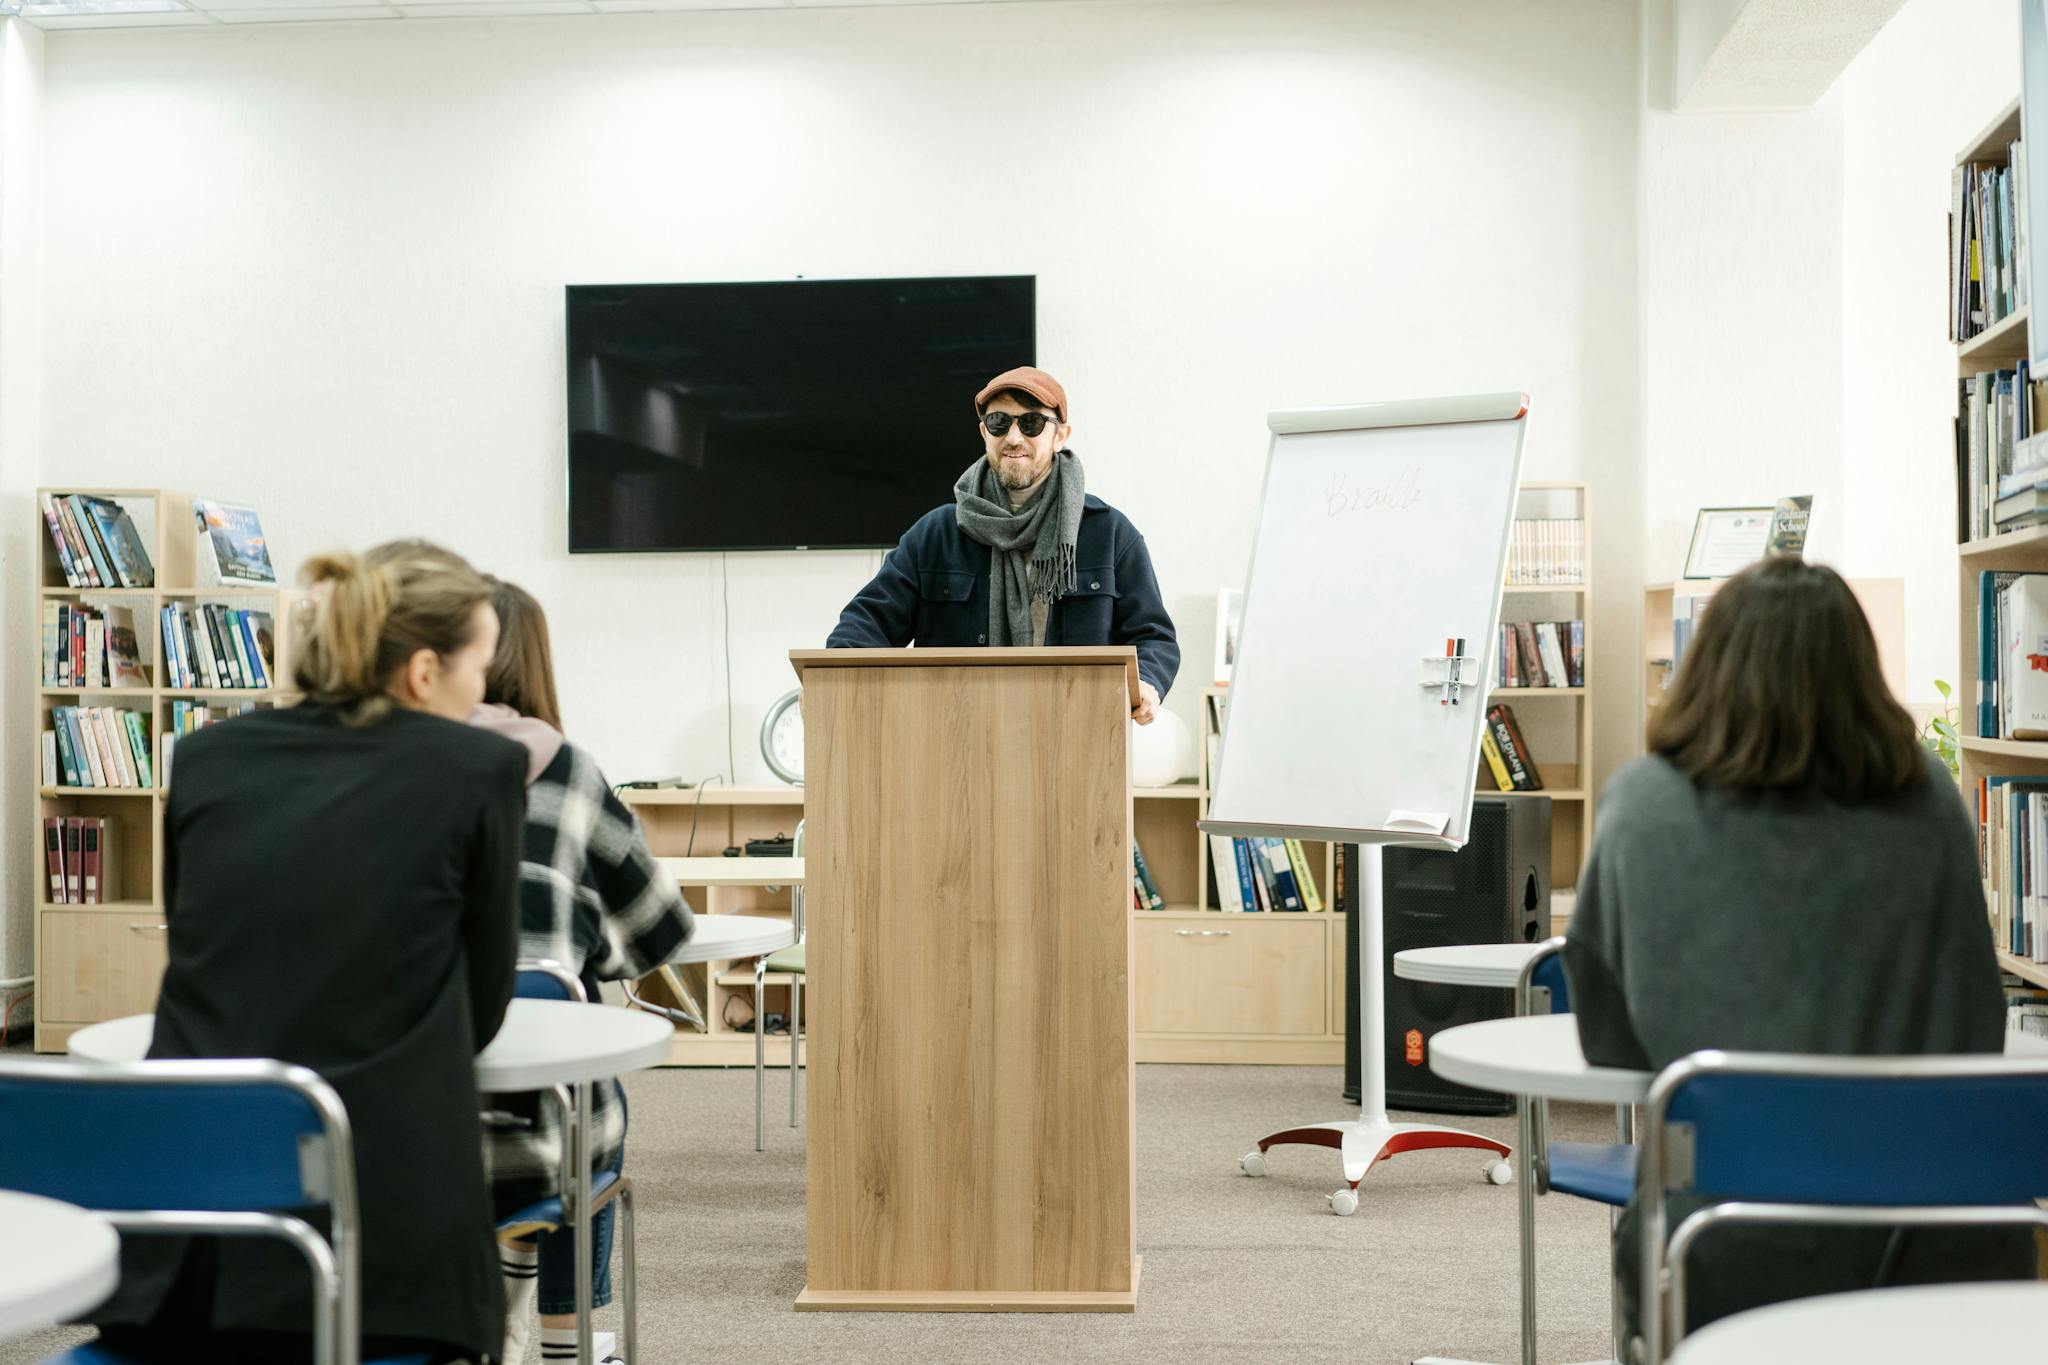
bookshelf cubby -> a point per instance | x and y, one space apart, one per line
102 961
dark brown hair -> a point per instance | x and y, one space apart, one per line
522 672
1781 689
369 613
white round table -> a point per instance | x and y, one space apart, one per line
1539 1055
1937 1324
541 1043
723 937
56 1262
1466 964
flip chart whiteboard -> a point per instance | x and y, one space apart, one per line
1383 532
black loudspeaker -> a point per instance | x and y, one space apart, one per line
1496 889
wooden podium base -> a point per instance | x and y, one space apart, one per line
970 1301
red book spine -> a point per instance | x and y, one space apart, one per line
89 840
73 887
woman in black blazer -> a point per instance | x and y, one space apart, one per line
340 881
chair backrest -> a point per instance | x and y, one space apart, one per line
546 979
796 893
196 1146
1543 972
1876 1140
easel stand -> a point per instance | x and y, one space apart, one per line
1371 1136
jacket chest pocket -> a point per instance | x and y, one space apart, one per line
1086 615
945 609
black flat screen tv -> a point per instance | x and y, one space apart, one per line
781 415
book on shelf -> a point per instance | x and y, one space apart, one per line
1514 751
231 549
1541 654
1999 457
101 746
1141 875
188 716
90 647
2023 689
211 645
79 862
1547 552
2013 854
1495 764
1262 874
1985 269
96 542
1297 858
1993 645
1279 874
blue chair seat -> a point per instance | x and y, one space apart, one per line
93 1354
547 1213
1601 1171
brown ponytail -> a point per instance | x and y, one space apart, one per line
368 614
522 672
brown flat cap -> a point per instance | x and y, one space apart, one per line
1026 379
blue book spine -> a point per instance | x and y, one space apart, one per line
1987 655
64 755
1286 895
1244 874
259 666
85 777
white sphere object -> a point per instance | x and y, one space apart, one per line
1163 752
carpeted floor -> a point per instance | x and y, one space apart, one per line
1236 1269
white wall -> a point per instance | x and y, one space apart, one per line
1937 74
1741 233
319 268
21 76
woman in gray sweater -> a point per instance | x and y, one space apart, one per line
1787 871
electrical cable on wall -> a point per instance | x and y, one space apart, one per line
732 775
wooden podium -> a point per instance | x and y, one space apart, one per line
971 1116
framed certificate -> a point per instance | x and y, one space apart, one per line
1727 540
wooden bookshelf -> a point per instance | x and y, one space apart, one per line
95 962
2001 346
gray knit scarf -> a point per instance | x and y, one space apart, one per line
1033 546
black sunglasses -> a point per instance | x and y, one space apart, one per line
1030 423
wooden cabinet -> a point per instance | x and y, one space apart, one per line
97 964
1264 975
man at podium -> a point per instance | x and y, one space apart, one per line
1023 555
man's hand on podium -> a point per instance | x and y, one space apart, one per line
1148 703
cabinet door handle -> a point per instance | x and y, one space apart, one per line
1202 933
148 928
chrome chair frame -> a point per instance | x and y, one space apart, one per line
796 986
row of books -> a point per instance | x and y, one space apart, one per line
2012 655
2001 465
2026 1011
78 852
1507 753
187 716
1255 875
210 645
1144 890
97 545
1547 552
97 746
1686 613
1987 236
2012 839
90 647
1541 654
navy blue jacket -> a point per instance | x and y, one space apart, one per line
933 590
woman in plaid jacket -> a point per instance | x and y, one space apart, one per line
592 898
